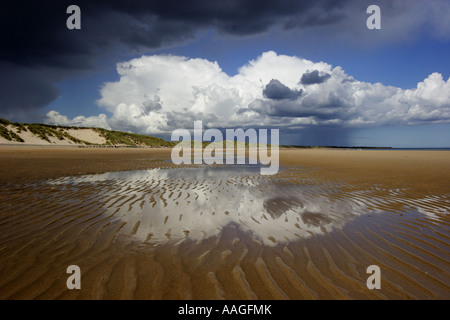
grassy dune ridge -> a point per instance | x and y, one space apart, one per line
11 131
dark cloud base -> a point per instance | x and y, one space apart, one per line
275 90
314 77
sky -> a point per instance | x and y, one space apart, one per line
312 69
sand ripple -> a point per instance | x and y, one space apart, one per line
220 233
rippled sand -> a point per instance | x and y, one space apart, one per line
225 232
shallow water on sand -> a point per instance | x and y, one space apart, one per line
197 203
221 232
172 204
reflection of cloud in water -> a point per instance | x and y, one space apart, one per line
163 204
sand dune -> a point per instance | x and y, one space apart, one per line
221 233
85 134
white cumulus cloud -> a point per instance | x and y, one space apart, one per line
160 93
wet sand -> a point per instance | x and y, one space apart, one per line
21 163
139 228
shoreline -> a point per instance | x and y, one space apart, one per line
424 171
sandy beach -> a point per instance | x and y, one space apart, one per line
141 228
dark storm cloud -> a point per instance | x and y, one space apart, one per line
34 32
314 77
23 89
275 90
13 76
298 109
39 51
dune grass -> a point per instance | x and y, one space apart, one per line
132 139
